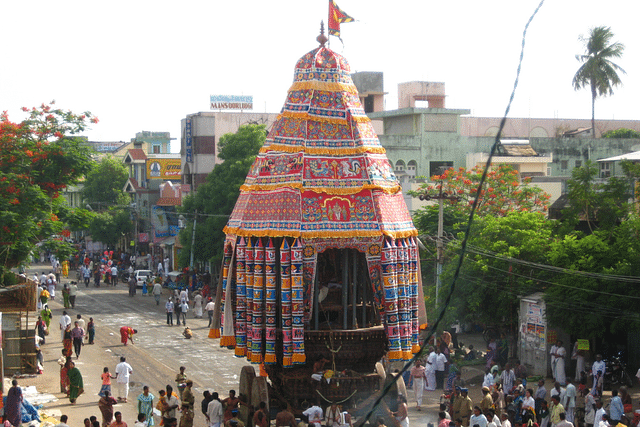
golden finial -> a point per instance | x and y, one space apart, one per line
322 39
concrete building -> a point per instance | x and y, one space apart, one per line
199 137
420 140
541 127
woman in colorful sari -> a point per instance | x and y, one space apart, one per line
91 330
105 404
65 296
76 387
46 314
64 363
41 327
67 342
145 405
44 296
126 334
12 411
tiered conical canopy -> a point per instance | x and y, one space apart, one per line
322 171
322 180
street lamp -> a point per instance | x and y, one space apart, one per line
440 197
181 224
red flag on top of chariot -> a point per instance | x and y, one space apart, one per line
336 17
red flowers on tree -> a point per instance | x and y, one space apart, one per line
504 190
39 156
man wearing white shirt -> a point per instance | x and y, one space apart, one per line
441 360
214 411
64 321
43 279
558 354
600 412
430 369
209 308
114 275
558 391
505 420
123 372
601 367
569 401
589 408
315 415
563 422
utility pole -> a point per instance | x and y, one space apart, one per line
193 239
440 197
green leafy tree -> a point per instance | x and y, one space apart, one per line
103 185
215 199
597 204
38 157
489 284
598 72
109 226
595 305
622 133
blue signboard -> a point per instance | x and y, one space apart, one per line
188 141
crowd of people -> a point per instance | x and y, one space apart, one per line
508 399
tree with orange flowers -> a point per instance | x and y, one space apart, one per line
504 191
39 157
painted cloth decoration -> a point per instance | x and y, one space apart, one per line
297 303
413 283
270 303
249 296
241 301
285 285
258 302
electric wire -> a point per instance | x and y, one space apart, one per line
463 247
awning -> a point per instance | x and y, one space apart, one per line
634 156
169 241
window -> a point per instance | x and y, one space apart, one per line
564 164
435 167
368 104
605 170
155 149
578 163
400 167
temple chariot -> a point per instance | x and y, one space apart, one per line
321 273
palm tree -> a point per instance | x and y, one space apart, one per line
597 71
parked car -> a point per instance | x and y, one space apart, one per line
142 276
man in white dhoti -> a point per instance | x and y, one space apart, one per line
430 368
558 354
418 377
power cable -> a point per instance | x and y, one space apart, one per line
494 147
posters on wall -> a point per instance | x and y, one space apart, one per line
533 329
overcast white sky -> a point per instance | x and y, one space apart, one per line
144 65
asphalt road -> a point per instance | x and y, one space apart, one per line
158 351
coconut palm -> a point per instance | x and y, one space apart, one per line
597 71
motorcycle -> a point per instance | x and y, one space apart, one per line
616 372
124 276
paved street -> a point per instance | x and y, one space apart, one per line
158 352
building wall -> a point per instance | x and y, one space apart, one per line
566 151
207 128
538 127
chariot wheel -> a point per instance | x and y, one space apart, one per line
247 376
260 393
